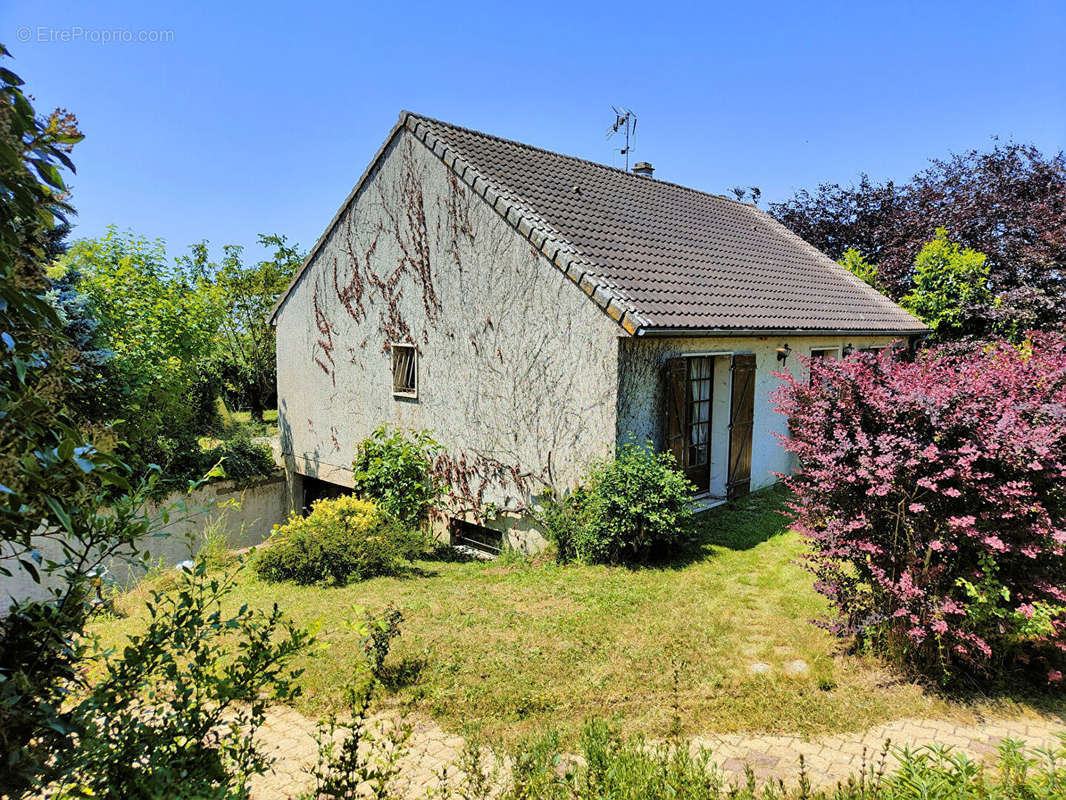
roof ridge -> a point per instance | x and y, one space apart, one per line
556 153
567 257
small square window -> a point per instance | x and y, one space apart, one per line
825 352
404 371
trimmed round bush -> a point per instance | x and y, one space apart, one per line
625 510
933 497
342 539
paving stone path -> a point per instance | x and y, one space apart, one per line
287 735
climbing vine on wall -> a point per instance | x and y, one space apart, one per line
469 476
503 370
323 353
405 221
456 216
350 292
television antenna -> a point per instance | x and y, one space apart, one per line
624 121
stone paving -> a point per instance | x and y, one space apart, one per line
833 758
288 737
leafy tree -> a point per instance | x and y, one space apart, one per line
858 266
949 283
245 353
159 324
1008 203
80 326
175 713
52 478
865 217
394 468
67 510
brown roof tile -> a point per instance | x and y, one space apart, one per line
669 256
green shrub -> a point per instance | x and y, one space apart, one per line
394 468
562 518
175 712
377 632
240 458
355 757
342 539
625 509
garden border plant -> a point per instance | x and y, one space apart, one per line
394 468
342 539
624 510
932 494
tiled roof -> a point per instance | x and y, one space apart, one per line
657 255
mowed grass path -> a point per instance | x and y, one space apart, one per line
508 648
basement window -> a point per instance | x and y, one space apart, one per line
404 370
476 537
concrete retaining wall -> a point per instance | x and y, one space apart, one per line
244 515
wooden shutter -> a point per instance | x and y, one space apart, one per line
741 426
675 396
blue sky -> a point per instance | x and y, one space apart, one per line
259 117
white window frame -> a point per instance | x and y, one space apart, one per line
394 349
834 351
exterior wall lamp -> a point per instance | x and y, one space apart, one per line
783 353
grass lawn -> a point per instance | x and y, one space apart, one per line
268 427
506 648
243 421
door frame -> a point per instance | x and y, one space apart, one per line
729 490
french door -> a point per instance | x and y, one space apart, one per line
741 425
689 389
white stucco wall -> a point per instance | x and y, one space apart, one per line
517 366
640 412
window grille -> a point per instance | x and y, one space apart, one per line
404 370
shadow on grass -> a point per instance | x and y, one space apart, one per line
1017 689
738 525
408 672
447 554
745 523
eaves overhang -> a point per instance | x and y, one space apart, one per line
723 332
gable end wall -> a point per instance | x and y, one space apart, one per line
517 367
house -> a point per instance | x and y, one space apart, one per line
532 310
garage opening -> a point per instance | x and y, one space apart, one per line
315 489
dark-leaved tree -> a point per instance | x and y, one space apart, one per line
1008 203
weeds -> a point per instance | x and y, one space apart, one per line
612 768
356 759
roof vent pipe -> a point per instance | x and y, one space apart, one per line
643 168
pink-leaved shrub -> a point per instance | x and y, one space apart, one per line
932 494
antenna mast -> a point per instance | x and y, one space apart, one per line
624 120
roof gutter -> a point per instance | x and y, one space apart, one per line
660 332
